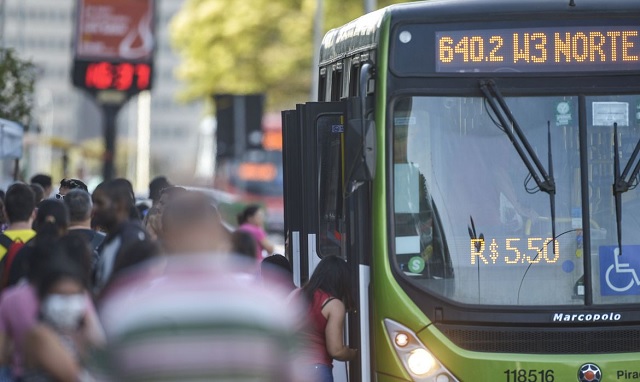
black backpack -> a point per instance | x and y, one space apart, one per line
12 246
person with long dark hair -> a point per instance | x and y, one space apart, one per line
328 294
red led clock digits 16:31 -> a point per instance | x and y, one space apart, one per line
124 76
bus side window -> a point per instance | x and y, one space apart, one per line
354 80
322 85
336 84
330 227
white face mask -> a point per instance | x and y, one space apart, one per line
64 310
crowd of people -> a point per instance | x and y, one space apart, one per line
95 287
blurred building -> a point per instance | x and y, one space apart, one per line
42 31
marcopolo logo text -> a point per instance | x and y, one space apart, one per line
586 317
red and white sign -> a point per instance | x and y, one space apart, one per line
115 30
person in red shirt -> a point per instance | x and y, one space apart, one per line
328 296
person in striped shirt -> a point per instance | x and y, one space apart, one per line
192 315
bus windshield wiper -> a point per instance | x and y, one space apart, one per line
622 183
544 180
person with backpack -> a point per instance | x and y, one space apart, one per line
20 206
52 219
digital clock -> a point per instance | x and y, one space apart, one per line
102 75
548 49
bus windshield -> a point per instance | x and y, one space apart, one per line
472 226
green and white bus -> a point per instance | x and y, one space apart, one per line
476 163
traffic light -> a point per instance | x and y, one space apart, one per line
239 123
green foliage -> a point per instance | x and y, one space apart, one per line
238 46
252 46
17 79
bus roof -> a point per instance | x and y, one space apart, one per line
362 34
359 35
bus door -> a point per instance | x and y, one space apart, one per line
293 193
315 223
312 173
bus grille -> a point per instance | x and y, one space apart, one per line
544 340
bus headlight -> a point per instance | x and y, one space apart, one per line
402 339
421 364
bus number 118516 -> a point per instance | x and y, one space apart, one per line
529 375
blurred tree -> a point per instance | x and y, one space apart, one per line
252 46
17 79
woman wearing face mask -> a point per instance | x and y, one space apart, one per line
19 303
56 346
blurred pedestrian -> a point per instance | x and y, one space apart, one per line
169 193
251 220
135 254
126 183
218 322
57 346
328 294
52 220
75 246
19 305
200 320
20 206
156 186
38 192
152 223
45 181
112 204
78 201
67 185
153 220
190 224
277 269
244 244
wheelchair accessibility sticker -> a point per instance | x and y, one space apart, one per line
620 273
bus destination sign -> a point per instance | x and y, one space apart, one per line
550 49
